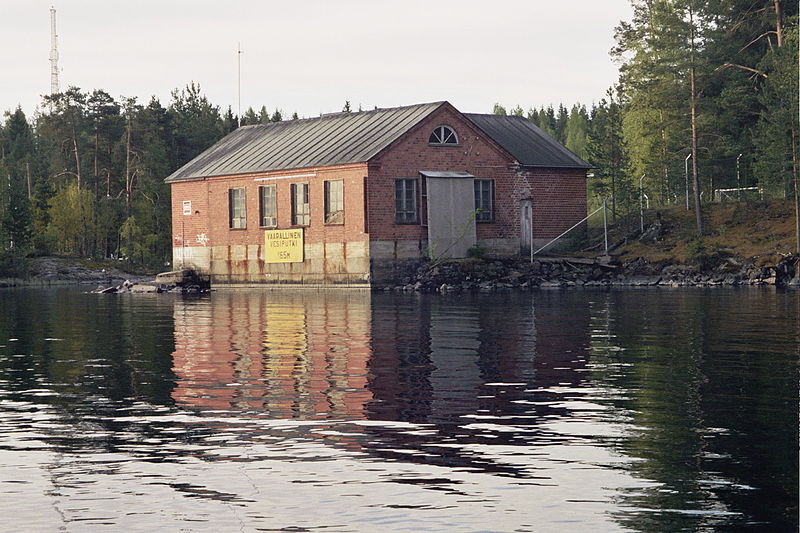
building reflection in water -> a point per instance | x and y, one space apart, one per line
292 354
354 355
436 359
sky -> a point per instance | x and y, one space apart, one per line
310 56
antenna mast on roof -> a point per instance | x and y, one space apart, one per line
239 84
54 88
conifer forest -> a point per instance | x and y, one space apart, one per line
706 99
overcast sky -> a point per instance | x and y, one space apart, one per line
310 56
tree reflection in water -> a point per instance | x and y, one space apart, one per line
659 410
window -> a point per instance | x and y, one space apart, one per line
300 212
484 200
334 202
405 198
268 205
237 210
443 135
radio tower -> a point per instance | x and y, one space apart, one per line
53 53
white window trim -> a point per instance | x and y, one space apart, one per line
437 129
491 183
292 177
231 216
415 200
261 207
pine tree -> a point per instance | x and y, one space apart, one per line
777 133
499 110
229 121
577 130
19 149
105 127
17 221
547 121
608 152
561 124
197 123
665 74
250 117
64 132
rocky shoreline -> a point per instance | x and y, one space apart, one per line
185 281
477 275
45 271
487 275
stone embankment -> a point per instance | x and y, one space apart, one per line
177 281
507 274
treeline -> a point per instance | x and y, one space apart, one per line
707 89
85 175
707 93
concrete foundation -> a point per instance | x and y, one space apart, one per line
342 263
351 264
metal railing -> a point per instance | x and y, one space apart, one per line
587 217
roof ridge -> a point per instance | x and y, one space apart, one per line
336 114
496 115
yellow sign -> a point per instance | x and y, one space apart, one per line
283 246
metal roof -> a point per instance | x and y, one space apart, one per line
531 146
445 174
333 139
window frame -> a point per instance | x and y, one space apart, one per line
401 196
484 216
261 207
422 194
443 133
301 218
233 219
333 217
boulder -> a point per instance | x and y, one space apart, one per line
141 287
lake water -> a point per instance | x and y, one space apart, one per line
632 410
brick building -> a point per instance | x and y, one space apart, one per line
344 198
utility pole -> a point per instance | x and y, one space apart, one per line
686 175
54 86
641 204
738 179
698 213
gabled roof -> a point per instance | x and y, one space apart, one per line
529 145
334 139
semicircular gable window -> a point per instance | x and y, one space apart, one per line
443 135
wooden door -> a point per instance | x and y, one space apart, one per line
525 226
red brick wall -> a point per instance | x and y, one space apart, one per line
559 199
474 154
559 196
211 197
187 228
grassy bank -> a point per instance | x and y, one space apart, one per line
759 231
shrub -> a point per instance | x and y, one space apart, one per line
476 251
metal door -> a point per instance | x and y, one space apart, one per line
451 215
